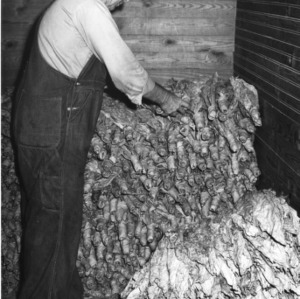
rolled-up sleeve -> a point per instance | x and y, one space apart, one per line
101 34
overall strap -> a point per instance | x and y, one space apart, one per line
40 78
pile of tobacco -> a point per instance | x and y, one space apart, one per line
10 203
148 174
251 251
159 189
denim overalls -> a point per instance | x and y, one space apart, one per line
54 122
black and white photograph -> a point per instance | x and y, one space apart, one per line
150 149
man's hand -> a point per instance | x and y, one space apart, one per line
167 101
173 104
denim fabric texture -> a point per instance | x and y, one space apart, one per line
54 122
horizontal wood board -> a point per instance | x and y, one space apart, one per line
267 55
184 38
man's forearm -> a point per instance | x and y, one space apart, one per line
158 95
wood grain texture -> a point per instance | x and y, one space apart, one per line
204 60
163 75
22 11
167 36
174 26
267 55
179 43
177 9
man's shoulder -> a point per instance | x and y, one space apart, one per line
74 4
98 5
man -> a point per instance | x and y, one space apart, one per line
57 106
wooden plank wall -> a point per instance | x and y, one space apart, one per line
267 55
171 38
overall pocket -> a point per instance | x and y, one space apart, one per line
38 121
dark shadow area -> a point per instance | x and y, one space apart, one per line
265 181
